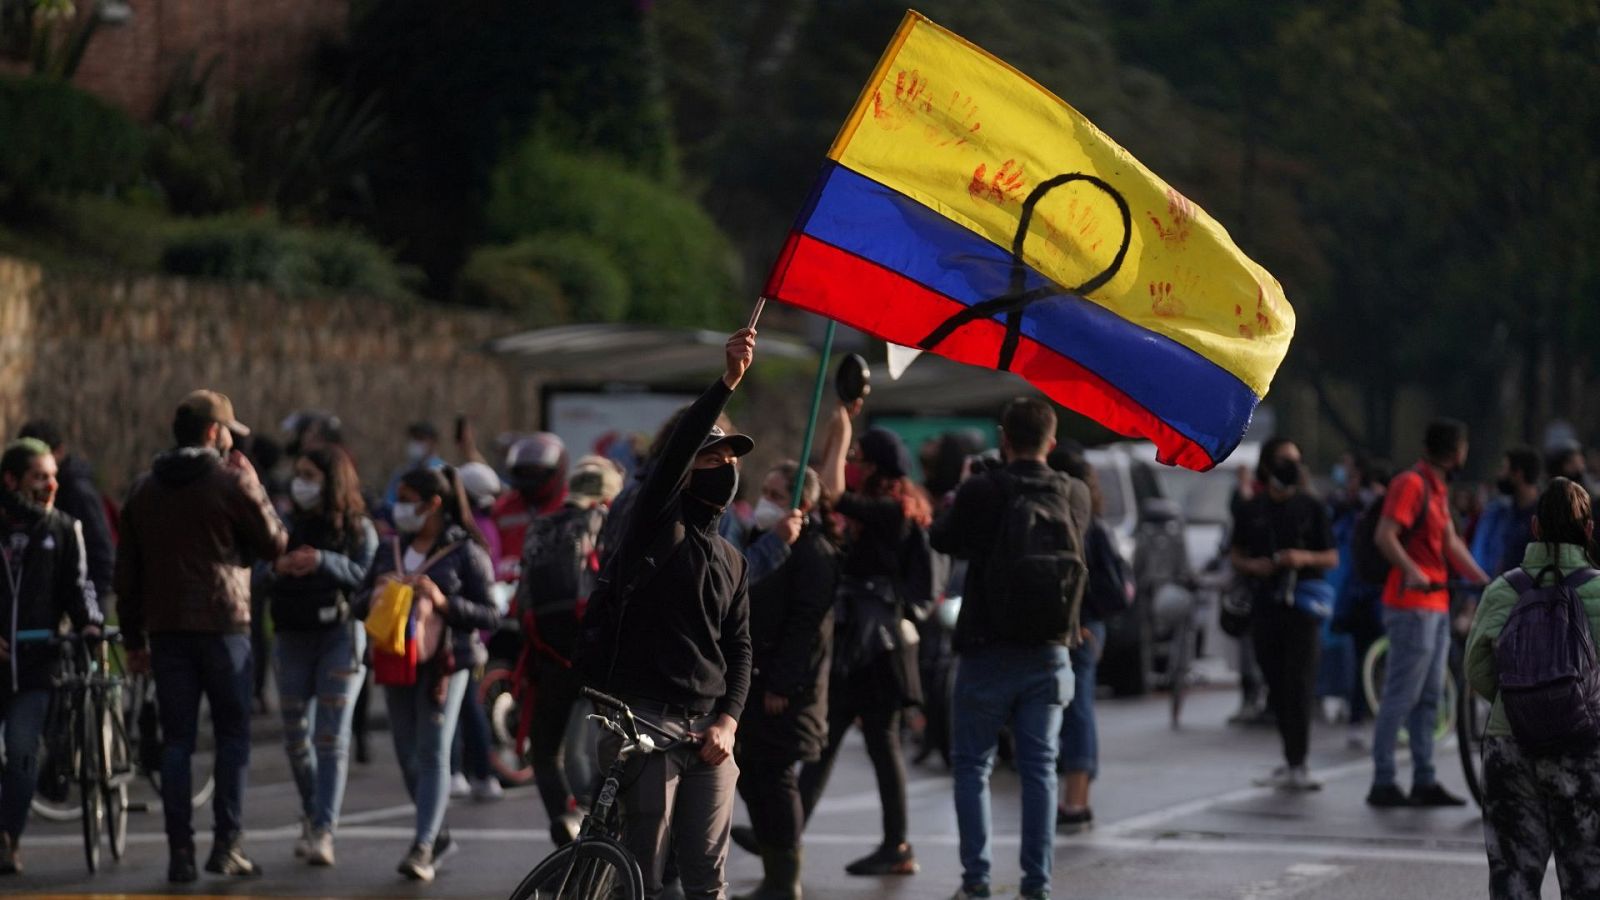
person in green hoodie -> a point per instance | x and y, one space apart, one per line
1536 805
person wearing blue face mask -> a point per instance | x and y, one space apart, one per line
667 631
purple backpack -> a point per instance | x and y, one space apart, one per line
1549 681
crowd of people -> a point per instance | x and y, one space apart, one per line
764 637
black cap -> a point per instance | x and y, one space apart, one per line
740 444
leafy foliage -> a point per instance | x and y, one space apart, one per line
678 267
58 138
292 261
551 278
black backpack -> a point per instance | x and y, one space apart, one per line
923 575
1549 682
1110 591
1036 570
1371 565
560 563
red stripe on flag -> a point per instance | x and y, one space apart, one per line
826 280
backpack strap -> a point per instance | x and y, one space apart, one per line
1520 581
1580 577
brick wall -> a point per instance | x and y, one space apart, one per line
110 359
255 41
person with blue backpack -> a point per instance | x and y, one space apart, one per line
1531 652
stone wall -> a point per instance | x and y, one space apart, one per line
110 359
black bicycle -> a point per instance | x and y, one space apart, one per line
596 865
87 757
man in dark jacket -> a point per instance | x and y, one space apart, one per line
667 630
1007 670
190 530
78 498
42 558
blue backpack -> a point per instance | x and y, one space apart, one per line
1549 680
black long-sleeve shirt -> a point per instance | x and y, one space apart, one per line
682 634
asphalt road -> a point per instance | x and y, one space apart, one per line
1178 819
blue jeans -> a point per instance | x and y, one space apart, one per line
23 715
1080 739
1028 687
319 673
469 752
187 665
422 732
1413 681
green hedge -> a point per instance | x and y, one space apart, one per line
679 267
548 279
292 261
56 138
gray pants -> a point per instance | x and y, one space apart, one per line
1536 807
676 799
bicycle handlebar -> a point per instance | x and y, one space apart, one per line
46 635
602 698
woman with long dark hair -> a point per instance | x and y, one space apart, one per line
1539 802
874 673
791 636
319 645
443 556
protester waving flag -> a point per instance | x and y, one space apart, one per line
967 211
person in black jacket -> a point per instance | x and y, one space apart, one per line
43 560
875 673
791 633
440 552
667 630
78 498
320 647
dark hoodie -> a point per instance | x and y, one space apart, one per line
78 498
190 530
44 577
678 629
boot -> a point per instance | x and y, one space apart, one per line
781 878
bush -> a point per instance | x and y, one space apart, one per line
547 279
196 171
56 138
291 261
678 265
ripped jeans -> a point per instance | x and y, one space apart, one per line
319 673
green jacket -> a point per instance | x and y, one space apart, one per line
1498 599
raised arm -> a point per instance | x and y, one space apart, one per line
835 447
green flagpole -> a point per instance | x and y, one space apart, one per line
816 406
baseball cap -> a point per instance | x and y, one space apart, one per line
740 444
594 479
213 407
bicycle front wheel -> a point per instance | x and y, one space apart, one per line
89 795
116 768
1472 717
590 869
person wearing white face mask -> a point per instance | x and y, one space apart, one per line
791 636
319 645
422 442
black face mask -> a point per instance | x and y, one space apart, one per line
1286 472
1505 487
714 487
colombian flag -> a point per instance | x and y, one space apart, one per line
970 212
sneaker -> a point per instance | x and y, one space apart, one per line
485 790
319 852
180 865
1074 821
228 858
418 864
1387 796
302 846
972 893
1300 780
459 786
10 860
886 860
1434 795
444 845
1277 778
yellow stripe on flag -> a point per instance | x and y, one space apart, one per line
966 135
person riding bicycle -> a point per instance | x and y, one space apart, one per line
190 530
667 630
46 575
1418 536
